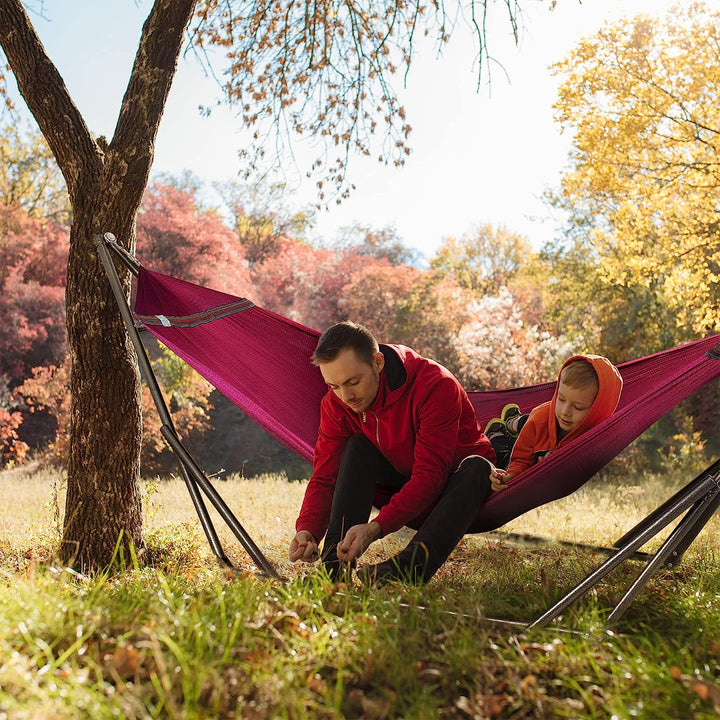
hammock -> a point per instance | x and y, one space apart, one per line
261 361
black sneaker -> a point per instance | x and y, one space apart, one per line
495 427
409 566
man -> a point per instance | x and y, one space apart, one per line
399 432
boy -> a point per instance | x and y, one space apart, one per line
587 392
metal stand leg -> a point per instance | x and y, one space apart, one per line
688 525
202 513
192 474
693 493
227 515
710 508
670 502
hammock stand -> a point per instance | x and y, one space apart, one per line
696 502
195 479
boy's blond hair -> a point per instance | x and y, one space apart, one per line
579 374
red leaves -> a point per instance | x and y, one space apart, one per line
49 389
306 284
33 254
12 449
176 236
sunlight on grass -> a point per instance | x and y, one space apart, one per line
267 505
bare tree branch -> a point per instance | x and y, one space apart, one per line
148 88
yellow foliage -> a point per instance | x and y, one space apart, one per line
642 99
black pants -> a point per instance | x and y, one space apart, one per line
364 471
503 443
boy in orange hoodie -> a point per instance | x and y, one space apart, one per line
587 392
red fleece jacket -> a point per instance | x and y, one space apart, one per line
539 436
422 421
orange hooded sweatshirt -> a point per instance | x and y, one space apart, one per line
539 436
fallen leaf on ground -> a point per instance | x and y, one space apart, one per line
125 661
704 689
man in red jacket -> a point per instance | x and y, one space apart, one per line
397 431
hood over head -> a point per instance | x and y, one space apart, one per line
606 401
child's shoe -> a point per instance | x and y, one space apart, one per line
495 427
509 413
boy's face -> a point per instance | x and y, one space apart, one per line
572 404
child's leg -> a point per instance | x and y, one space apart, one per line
503 444
515 424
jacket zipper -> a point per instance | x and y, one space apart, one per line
377 428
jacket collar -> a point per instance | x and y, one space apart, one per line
395 372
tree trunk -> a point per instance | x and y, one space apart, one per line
105 184
103 502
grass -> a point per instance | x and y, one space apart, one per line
183 638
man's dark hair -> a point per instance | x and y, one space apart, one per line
343 335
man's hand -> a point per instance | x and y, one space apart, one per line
303 547
357 540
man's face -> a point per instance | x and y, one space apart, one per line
572 405
355 382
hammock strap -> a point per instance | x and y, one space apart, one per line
197 318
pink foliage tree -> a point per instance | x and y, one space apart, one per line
33 258
177 237
373 294
33 333
306 283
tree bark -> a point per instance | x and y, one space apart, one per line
105 183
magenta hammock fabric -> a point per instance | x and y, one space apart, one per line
261 361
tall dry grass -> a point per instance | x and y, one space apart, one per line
601 511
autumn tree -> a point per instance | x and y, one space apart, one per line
403 304
322 70
306 283
105 182
429 316
177 237
33 255
373 295
29 176
12 448
381 243
262 219
642 258
46 391
484 260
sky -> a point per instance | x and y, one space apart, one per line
480 154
